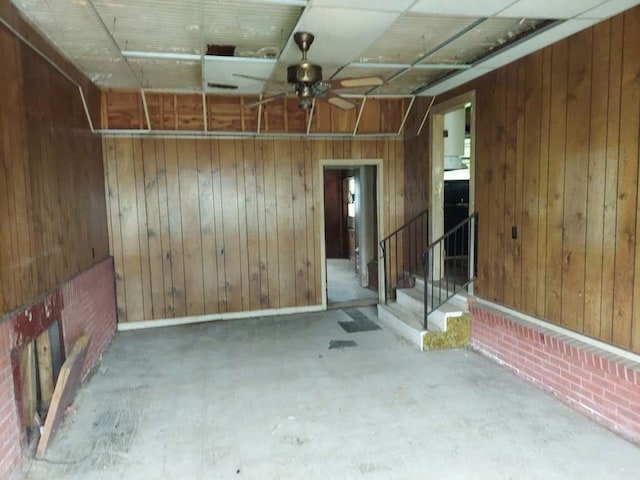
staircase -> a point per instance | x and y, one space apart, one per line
436 317
405 316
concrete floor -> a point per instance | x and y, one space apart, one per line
343 287
267 399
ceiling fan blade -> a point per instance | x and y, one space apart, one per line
266 100
340 102
355 82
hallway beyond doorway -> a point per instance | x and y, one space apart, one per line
343 286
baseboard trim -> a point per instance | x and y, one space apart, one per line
215 317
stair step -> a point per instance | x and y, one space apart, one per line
403 322
411 299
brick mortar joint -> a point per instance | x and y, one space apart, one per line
512 326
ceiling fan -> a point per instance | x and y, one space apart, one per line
305 80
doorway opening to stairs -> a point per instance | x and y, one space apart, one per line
452 181
350 233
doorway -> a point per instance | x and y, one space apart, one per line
452 185
350 233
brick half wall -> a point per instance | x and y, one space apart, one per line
85 304
593 380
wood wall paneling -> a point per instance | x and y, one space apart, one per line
228 225
566 122
52 202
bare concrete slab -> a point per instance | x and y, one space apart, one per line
267 399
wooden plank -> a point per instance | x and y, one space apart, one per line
45 368
216 182
497 194
518 210
143 229
596 178
531 180
152 179
284 195
627 185
68 380
318 152
299 223
207 226
165 233
260 147
576 170
271 222
191 232
231 245
310 222
252 226
176 252
113 193
484 173
242 226
9 293
129 225
28 382
555 195
545 121
611 180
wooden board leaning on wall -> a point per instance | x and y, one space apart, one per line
124 110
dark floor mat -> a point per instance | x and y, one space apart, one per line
341 344
360 322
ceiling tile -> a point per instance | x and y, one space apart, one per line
255 29
384 5
477 8
548 8
152 25
488 37
108 73
411 36
225 70
411 81
609 9
167 74
341 34
76 31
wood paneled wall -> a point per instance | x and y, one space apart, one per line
416 161
210 226
52 206
557 155
226 113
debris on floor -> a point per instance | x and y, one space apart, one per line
340 344
360 322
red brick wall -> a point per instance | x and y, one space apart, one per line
601 384
10 448
89 308
86 304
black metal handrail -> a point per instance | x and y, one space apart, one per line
400 252
449 264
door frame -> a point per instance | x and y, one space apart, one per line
436 172
346 164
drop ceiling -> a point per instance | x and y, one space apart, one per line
420 47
